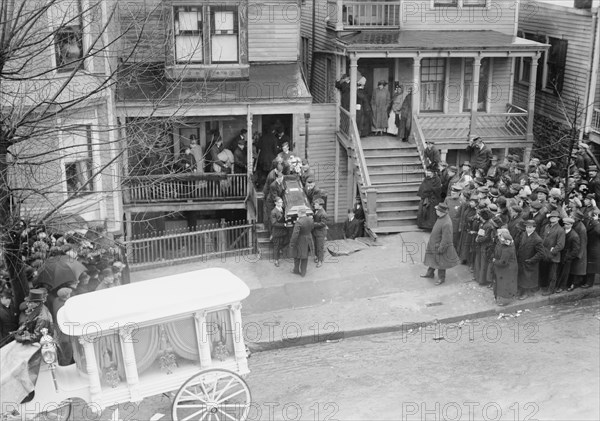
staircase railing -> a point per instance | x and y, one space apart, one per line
349 128
417 133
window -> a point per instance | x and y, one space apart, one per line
211 40
77 153
224 35
555 66
460 3
188 34
447 3
68 38
474 3
433 77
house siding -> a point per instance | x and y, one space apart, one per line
575 26
321 155
273 29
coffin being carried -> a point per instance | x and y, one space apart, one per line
294 198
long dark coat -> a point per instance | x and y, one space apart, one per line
553 238
364 116
465 244
579 265
268 151
593 247
440 252
484 245
301 242
529 255
405 118
506 269
430 193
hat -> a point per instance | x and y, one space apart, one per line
430 141
457 187
319 201
593 168
64 293
578 215
494 157
505 234
483 189
382 82
107 272
494 192
310 180
536 204
452 168
467 163
515 186
485 214
480 181
517 208
542 189
554 214
477 139
442 207
590 196
576 201
37 295
521 166
502 166
362 81
569 221
530 223
493 207
555 192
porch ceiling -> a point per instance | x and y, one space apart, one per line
267 84
421 41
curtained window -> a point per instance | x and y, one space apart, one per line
78 159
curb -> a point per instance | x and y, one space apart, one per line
554 299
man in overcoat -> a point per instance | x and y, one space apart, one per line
440 253
593 235
319 231
279 231
579 266
529 255
430 192
454 204
567 255
481 155
301 242
276 189
553 239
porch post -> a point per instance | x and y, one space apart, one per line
353 82
475 92
249 166
128 236
531 106
416 100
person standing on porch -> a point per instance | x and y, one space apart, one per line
394 110
379 104
364 114
405 123
344 87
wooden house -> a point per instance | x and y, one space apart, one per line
567 85
451 54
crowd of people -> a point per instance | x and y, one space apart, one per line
381 113
85 263
520 227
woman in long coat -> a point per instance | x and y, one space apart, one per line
405 118
529 255
430 193
364 113
505 268
380 103
593 249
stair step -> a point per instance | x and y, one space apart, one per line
404 217
397 223
391 153
384 210
396 169
399 178
381 161
394 229
398 187
387 198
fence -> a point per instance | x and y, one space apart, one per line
206 241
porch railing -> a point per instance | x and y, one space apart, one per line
360 14
417 134
184 187
511 124
207 241
596 120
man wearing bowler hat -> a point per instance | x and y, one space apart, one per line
440 253
529 255
567 255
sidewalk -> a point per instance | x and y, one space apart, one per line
372 291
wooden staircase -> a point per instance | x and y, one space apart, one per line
396 172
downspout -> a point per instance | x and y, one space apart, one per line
593 79
516 21
514 59
312 50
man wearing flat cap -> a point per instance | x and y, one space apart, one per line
301 242
440 253
594 181
313 192
319 233
530 252
553 240
567 255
